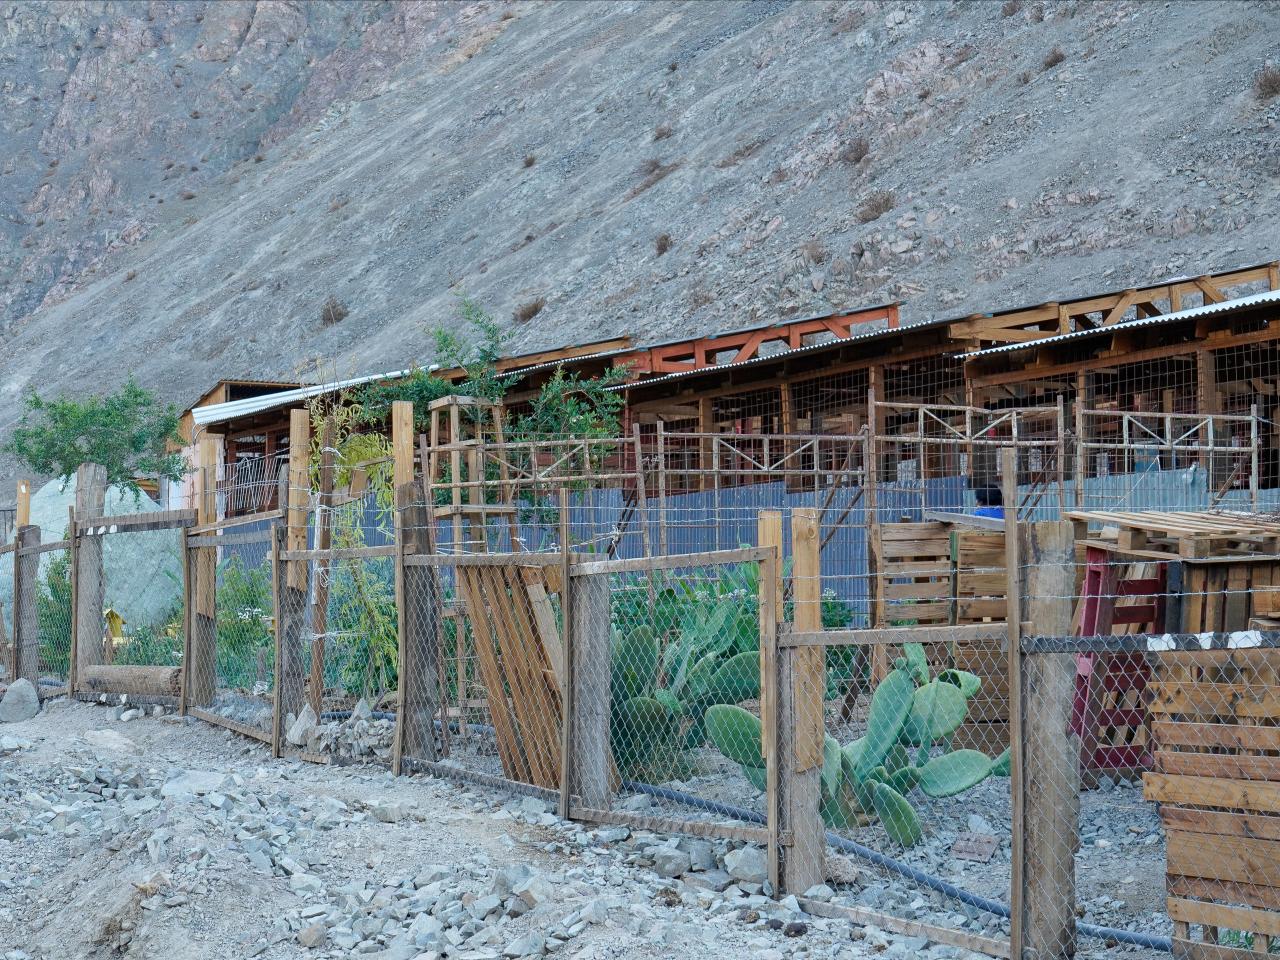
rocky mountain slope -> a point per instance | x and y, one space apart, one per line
184 184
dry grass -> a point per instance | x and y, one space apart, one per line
1267 83
337 204
258 158
527 311
1053 58
662 131
673 66
877 205
333 312
186 195
130 275
778 175
814 251
662 243
529 160
857 150
744 151
1024 77
653 170
195 114
1010 7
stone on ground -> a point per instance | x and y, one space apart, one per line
301 729
20 702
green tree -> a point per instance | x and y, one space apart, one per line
129 432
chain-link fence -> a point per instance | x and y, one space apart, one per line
230 659
45 601
8 593
667 727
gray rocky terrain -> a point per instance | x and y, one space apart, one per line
183 184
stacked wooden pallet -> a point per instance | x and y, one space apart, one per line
911 584
1217 779
981 586
1193 536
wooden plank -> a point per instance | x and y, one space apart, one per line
693 828
338 553
1220 765
232 522
913 532
1220 822
140 522
544 694
902 549
644 564
1184 949
1211 792
514 764
884 636
1215 699
912 928
233 725
922 590
1253 894
544 618
1233 859
589 757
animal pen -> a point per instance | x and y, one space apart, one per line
991 732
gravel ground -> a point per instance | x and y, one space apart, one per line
159 837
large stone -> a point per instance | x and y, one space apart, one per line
108 741
301 729
748 864
21 702
530 945
313 935
669 862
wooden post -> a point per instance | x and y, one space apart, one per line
1013 615
801 692
281 658
566 664
420 604
769 525
23 515
201 682
73 554
1047 763
324 539
291 575
589 603
26 623
91 497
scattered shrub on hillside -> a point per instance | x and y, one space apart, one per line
814 251
778 175
333 311
130 275
1053 58
663 243
877 205
258 158
186 195
653 170
529 160
527 311
856 151
673 66
195 114
1010 7
1037 15
1024 77
1267 83
662 131
338 203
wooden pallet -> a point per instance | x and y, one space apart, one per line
1186 534
517 651
1217 780
911 583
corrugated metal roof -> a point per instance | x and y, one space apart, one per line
521 371
1226 306
233 409
789 352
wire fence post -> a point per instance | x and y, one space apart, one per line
769 527
91 495
590 617
200 670
291 575
566 663
1048 755
800 719
26 621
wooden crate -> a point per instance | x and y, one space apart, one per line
911 583
1217 780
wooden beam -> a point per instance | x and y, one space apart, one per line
1210 290
23 515
1123 303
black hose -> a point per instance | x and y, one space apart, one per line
944 887
844 845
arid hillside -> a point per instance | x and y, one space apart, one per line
184 184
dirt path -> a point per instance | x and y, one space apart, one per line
166 838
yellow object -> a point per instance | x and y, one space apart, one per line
115 624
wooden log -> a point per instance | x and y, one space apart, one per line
22 515
1050 757
801 691
91 496
131 680
324 533
26 622
589 758
769 534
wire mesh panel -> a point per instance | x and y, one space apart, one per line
130 610
667 728
231 661
912 780
1196 804
339 648
48 597
7 597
